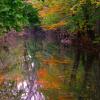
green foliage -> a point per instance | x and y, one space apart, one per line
16 14
32 15
83 15
51 19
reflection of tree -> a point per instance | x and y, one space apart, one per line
29 64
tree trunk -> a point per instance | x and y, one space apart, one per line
76 64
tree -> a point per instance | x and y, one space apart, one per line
83 22
16 14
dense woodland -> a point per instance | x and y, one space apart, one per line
49 49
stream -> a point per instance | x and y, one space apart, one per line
30 87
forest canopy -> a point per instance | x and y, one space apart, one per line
16 14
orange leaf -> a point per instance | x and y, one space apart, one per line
42 73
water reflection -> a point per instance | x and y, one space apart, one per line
30 87
30 93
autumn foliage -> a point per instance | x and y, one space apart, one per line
54 26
